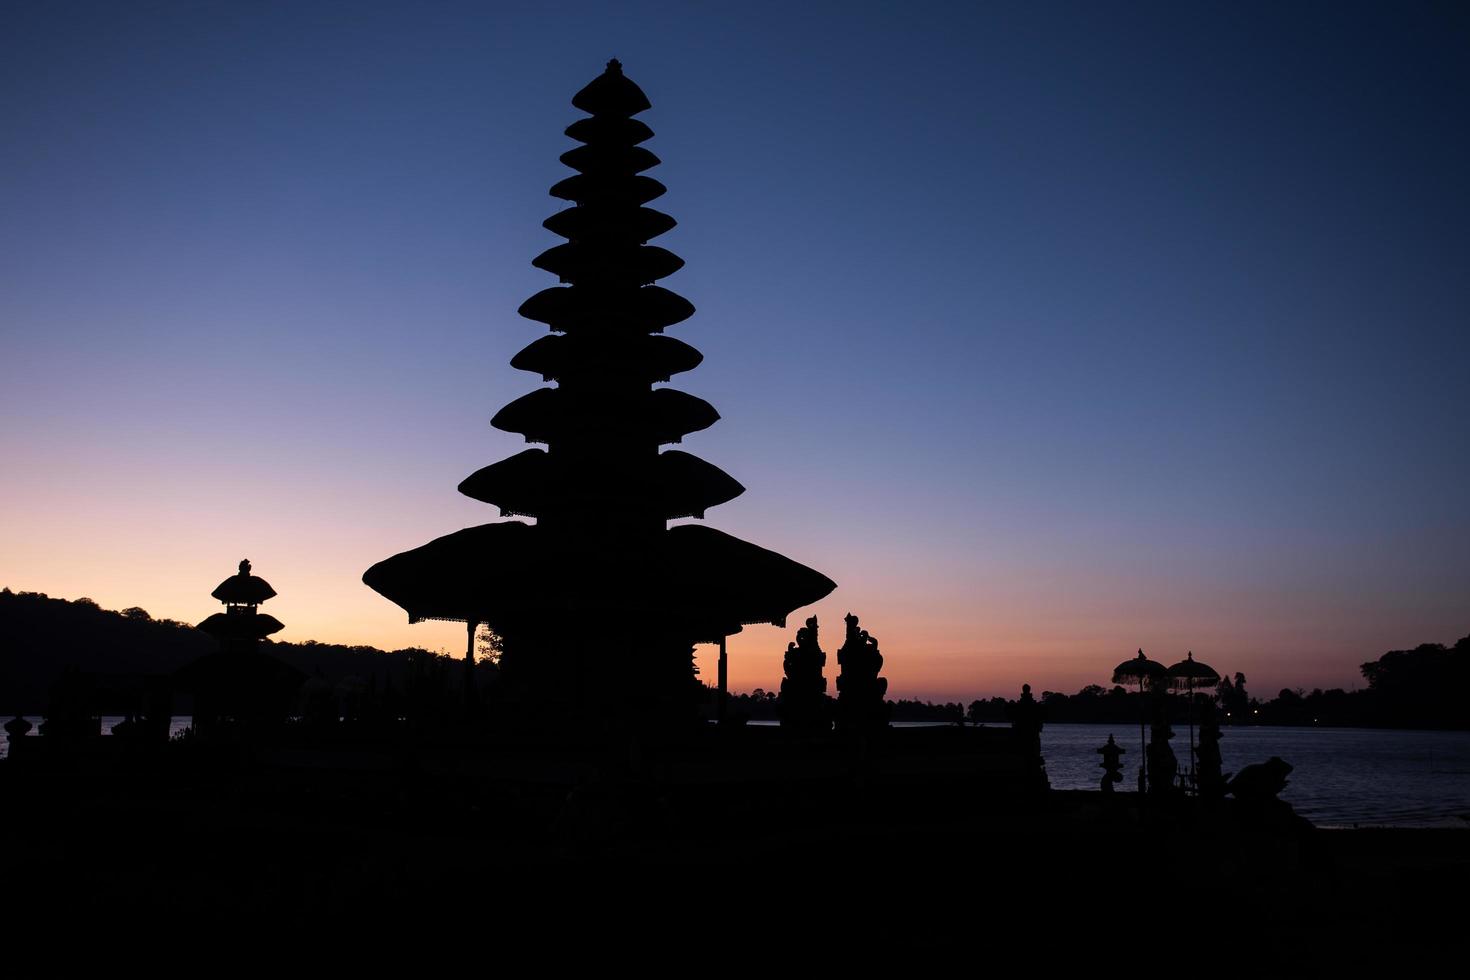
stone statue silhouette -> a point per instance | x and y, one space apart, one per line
1163 767
1210 781
1112 764
860 691
803 707
1026 723
1261 782
15 730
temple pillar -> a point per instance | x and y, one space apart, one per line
469 666
724 672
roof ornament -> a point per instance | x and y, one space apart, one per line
615 66
245 566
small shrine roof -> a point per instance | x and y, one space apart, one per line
243 588
242 625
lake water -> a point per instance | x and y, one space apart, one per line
1343 777
175 726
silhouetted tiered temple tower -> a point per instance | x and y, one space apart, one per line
242 625
240 691
600 602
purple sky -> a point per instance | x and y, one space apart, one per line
1048 331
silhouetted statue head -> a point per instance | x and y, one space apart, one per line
1261 781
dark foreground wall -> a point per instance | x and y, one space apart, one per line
938 845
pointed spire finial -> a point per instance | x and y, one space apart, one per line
611 94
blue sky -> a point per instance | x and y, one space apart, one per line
1048 331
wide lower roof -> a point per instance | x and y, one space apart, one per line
691 580
243 589
248 626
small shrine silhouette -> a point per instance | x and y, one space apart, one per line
240 693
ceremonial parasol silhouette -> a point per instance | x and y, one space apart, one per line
1140 669
1187 675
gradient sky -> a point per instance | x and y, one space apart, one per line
1048 331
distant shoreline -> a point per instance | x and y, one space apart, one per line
1426 688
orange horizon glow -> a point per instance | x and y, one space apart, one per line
1047 334
930 653
964 629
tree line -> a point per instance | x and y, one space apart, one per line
41 636
1423 687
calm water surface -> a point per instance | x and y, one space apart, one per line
1343 776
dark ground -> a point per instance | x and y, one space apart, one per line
932 846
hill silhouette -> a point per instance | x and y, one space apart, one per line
41 636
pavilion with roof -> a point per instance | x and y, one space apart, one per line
239 689
599 603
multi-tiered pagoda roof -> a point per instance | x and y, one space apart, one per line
242 594
239 685
601 556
